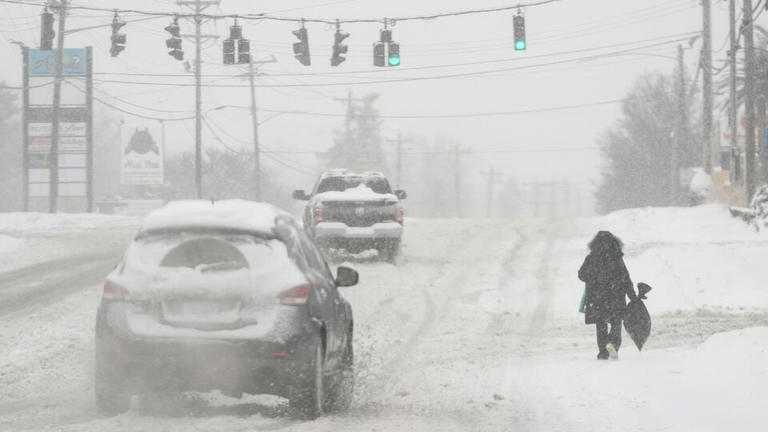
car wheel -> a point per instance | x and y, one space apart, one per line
307 399
342 387
112 395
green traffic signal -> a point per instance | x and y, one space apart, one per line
520 45
394 60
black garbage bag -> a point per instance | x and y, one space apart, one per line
637 320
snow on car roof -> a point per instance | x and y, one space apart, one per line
341 172
238 215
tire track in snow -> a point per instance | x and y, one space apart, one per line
46 283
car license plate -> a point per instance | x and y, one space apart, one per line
200 308
360 211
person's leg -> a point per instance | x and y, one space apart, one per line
601 327
615 336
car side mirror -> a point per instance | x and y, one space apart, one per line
400 194
346 276
300 195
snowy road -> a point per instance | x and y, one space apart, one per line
474 329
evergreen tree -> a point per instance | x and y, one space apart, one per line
639 149
359 146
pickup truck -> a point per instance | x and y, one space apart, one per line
354 212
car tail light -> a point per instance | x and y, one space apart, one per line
399 213
319 213
113 291
295 296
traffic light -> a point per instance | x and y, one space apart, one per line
174 42
301 48
393 58
240 52
46 30
519 30
338 49
243 51
386 52
229 51
118 39
379 54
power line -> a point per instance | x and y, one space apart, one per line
677 38
398 80
452 116
264 17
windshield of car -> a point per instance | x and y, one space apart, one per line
342 183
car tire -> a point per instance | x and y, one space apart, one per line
342 387
112 395
390 250
307 399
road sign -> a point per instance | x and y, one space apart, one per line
74 148
142 155
43 62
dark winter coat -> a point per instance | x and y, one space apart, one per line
607 280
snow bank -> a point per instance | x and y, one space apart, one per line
22 223
720 385
703 224
8 244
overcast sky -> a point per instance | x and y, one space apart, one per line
550 74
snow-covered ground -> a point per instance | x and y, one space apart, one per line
475 329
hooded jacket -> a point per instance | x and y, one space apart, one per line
607 279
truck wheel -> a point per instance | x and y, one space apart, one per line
342 387
307 399
390 250
112 395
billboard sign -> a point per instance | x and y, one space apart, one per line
142 154
43 62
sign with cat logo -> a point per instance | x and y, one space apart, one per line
142 154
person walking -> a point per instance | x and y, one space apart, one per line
607 282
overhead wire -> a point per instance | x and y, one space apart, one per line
406 79
264 17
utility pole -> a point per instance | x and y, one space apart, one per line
198 103
350 113
706 60
682 123
399 162
198 6
733 115
457 179
749 99
53 180
255 124
491 175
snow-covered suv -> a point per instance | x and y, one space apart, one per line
354 212
228 295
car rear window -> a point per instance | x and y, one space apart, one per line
342 183
204 252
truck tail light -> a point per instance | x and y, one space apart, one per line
399 213
319 213
294 296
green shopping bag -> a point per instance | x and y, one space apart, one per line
583 301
